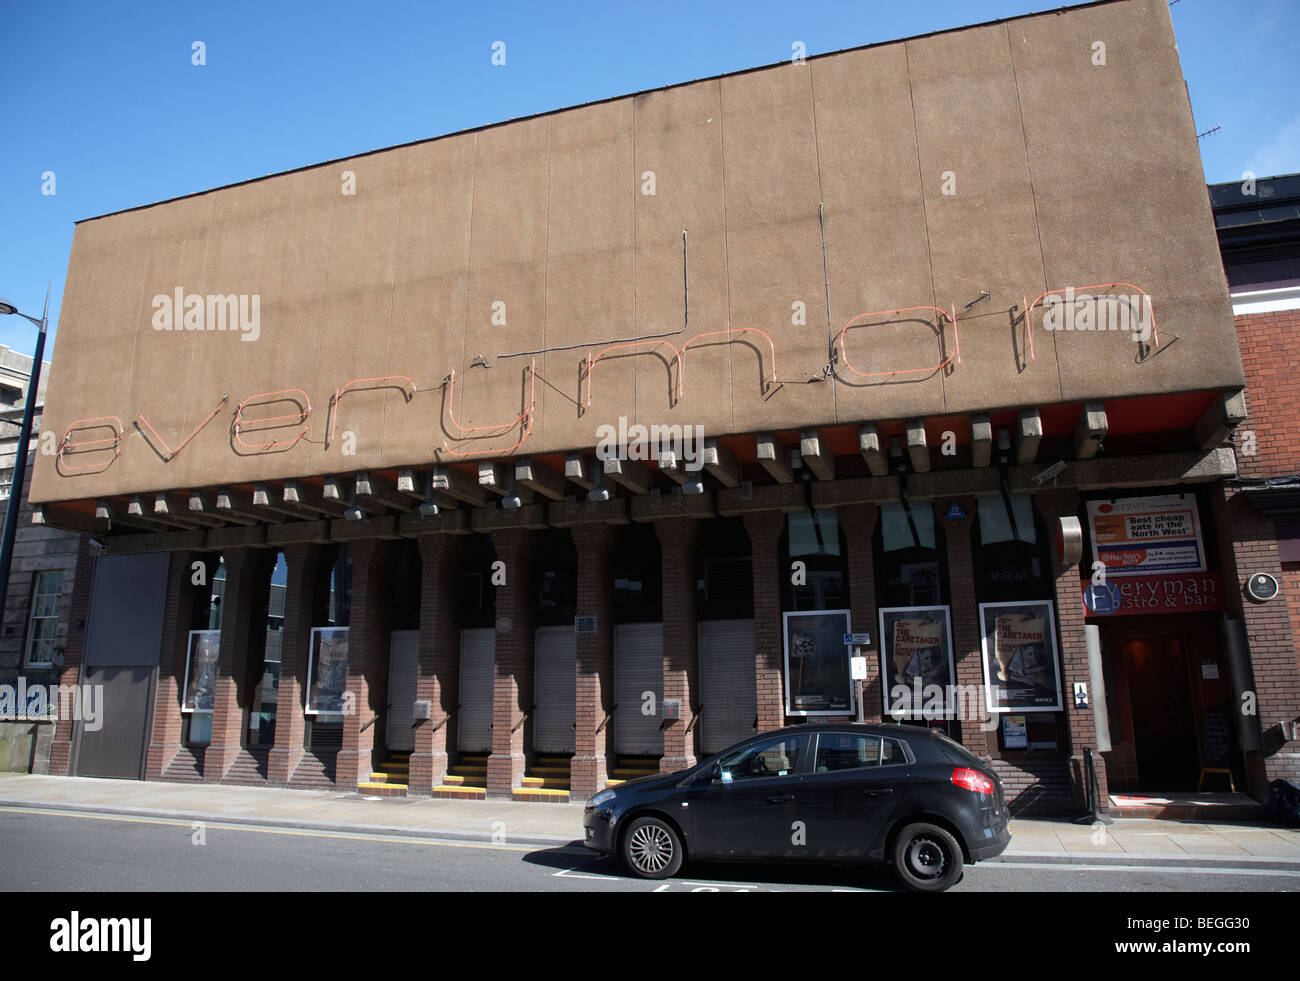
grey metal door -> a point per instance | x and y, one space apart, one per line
123 640
403 672
477 667
554 689
728 683
639 689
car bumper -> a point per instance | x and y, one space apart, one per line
990 847
598 830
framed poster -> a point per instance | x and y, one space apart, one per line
915 655
1020 663
327 670
1137 536
201 670
817 678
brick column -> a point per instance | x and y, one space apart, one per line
764 529
305 565
859 524
183 596
1247 545
243 642
512 685
369 642
963 610
1070 622
677 538
593 737
61 746
439 668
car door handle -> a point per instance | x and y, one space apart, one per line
878 793
780 798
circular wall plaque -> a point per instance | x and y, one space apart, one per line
1261 586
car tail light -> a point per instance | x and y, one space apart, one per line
972 780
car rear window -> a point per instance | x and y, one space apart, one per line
955 751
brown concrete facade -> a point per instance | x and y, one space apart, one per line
563 233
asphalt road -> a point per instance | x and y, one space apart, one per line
82 852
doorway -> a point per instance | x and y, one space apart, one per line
1167 674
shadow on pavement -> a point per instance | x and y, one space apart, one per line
829 875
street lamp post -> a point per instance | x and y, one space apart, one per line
24 436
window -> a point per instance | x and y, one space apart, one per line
770 758
6 483
893 753
47 587
910 557
841 751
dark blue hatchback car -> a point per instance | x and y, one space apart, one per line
830 792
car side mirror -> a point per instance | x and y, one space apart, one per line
715 774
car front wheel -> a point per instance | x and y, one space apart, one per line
651 849
927 858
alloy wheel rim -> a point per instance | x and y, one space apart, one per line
927 858
651 848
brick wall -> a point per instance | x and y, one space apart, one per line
1270 355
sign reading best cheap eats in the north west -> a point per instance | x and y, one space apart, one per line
1142 536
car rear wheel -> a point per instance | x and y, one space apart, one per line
927 858
651 849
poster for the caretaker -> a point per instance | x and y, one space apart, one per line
916 661
1135 536
1020 663
327 671
817 678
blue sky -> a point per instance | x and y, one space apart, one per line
105 96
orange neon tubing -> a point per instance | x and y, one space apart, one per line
949 315
681 354
1029 310
332 411
525 417
171 454
100 422
302 416
591 362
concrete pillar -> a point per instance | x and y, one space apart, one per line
764 529
179 613
306 603
512 685
369 642
963 609
439 668
243 642
859 524
677 539
61 745
593 736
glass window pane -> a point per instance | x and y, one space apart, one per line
893 752
897 531
805 531
846 752
773 758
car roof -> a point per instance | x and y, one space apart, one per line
891 728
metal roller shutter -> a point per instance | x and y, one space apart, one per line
477 667
403 672
728 683
638 668
555 690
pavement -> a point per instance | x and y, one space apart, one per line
1128 841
